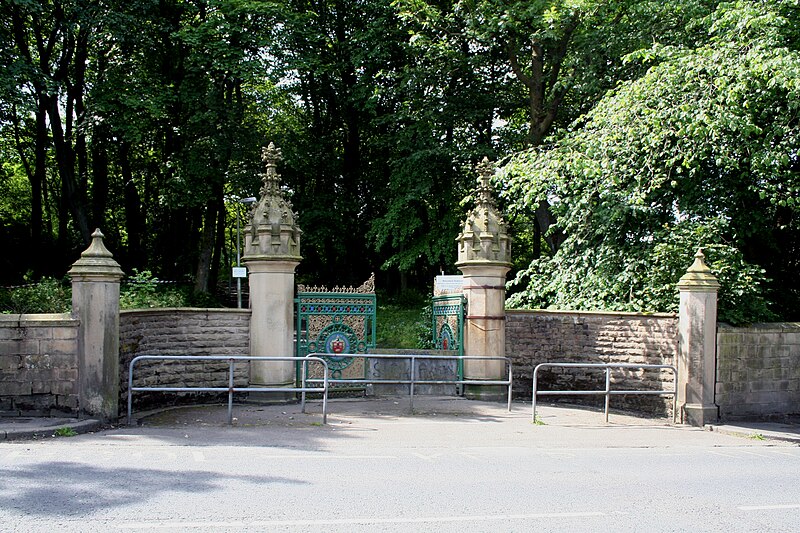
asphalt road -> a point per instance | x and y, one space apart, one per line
441 470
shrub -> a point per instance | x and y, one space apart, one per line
48 295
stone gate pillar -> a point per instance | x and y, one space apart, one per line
484 258
271 254
95 303
697 344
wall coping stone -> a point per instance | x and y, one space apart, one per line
764 326
38 319
564 312
208 310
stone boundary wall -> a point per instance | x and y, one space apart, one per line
758 371
181 331
534 337
38 365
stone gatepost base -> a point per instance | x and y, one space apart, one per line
487 393
700 415
272 326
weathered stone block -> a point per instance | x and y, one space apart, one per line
15 388
41 387
67 334
10 363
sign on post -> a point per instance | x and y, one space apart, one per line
448 285
239 272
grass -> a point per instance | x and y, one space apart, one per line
65 432
397 326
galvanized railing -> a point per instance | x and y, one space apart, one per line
412 380
230 389
607 392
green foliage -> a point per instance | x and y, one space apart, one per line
65 432
399 321
424 329
142 290
48 295
699 151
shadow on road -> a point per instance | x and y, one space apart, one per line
74 489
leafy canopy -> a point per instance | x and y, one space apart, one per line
702 150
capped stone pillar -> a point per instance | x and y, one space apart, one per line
271 254
484 258
697 343
95 303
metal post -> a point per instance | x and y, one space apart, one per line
239 202
325 394
130 392
510 381
303 369
413 361
608 390
230 393
533 414
238 261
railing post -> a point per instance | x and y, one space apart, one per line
413 364
533 405
230 392
608 390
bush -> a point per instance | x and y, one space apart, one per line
48 295
142 290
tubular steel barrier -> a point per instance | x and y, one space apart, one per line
413 381
230 389
607 392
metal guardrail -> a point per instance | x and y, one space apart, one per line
607 392
413 381
230 389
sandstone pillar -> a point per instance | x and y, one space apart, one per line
484 258
95 302
697 343
271 254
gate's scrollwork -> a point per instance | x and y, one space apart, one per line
337 322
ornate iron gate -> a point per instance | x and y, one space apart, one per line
448 324
337 321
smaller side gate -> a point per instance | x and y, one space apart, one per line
448 311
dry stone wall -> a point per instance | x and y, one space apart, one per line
38 365
758 371
181 332
534 337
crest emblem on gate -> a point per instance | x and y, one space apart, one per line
337 343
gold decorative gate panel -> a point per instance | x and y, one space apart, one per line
336 322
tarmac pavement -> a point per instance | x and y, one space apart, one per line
558 422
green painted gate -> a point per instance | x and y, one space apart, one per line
448 324
337 322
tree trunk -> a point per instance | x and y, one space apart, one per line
206 248
134 221
65 158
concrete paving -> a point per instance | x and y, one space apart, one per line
568 422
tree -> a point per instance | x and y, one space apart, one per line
143 108
544 63
699 151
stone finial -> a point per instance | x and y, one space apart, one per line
96 261
272 233
698 276
271 155
484 235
